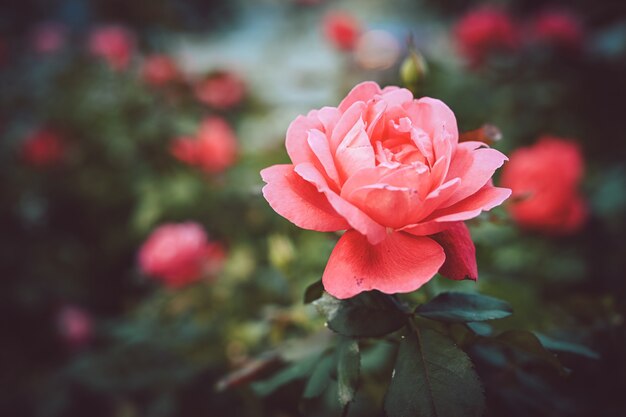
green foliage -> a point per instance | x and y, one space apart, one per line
433 378
464 307
348 368
366 315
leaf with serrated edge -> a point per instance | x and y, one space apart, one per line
464 307
433 378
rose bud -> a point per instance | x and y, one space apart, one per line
179 254
213 149
483 32
341 29
545 179
390 171
221 90
114 44
159 70
49 37
43 148
558 29
75 326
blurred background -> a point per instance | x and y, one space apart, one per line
141 264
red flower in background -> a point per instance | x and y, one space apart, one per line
114 44
159 70
341 29
390 171
222 90
179 254
75 326
43 148
559 29
484 31
49 37
544 179
213 149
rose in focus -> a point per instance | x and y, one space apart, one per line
179 254
114 44
390 171
213 149
545 179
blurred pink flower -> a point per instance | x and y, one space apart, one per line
559 29
49 37
114 44
159 70
389 170
221 90
545 179
75 326
42 148
341 29
483 31
179 254
213 149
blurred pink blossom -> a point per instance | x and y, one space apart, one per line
179 254
114 44
213 149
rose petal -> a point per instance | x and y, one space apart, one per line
361 92
354 216
296 140
435 118
345 124
400 263
475 167
484 200
320 147
299 201
355 151
460 252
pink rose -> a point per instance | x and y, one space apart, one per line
159 70
559 29
114 44
342 30
544 179
484 31
390 171
43 148
213 149
75 326
222 90
179 254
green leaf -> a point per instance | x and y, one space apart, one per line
348 368
298 370
320 378
433 378
464 307
366 315
566 347
528 343
313 292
